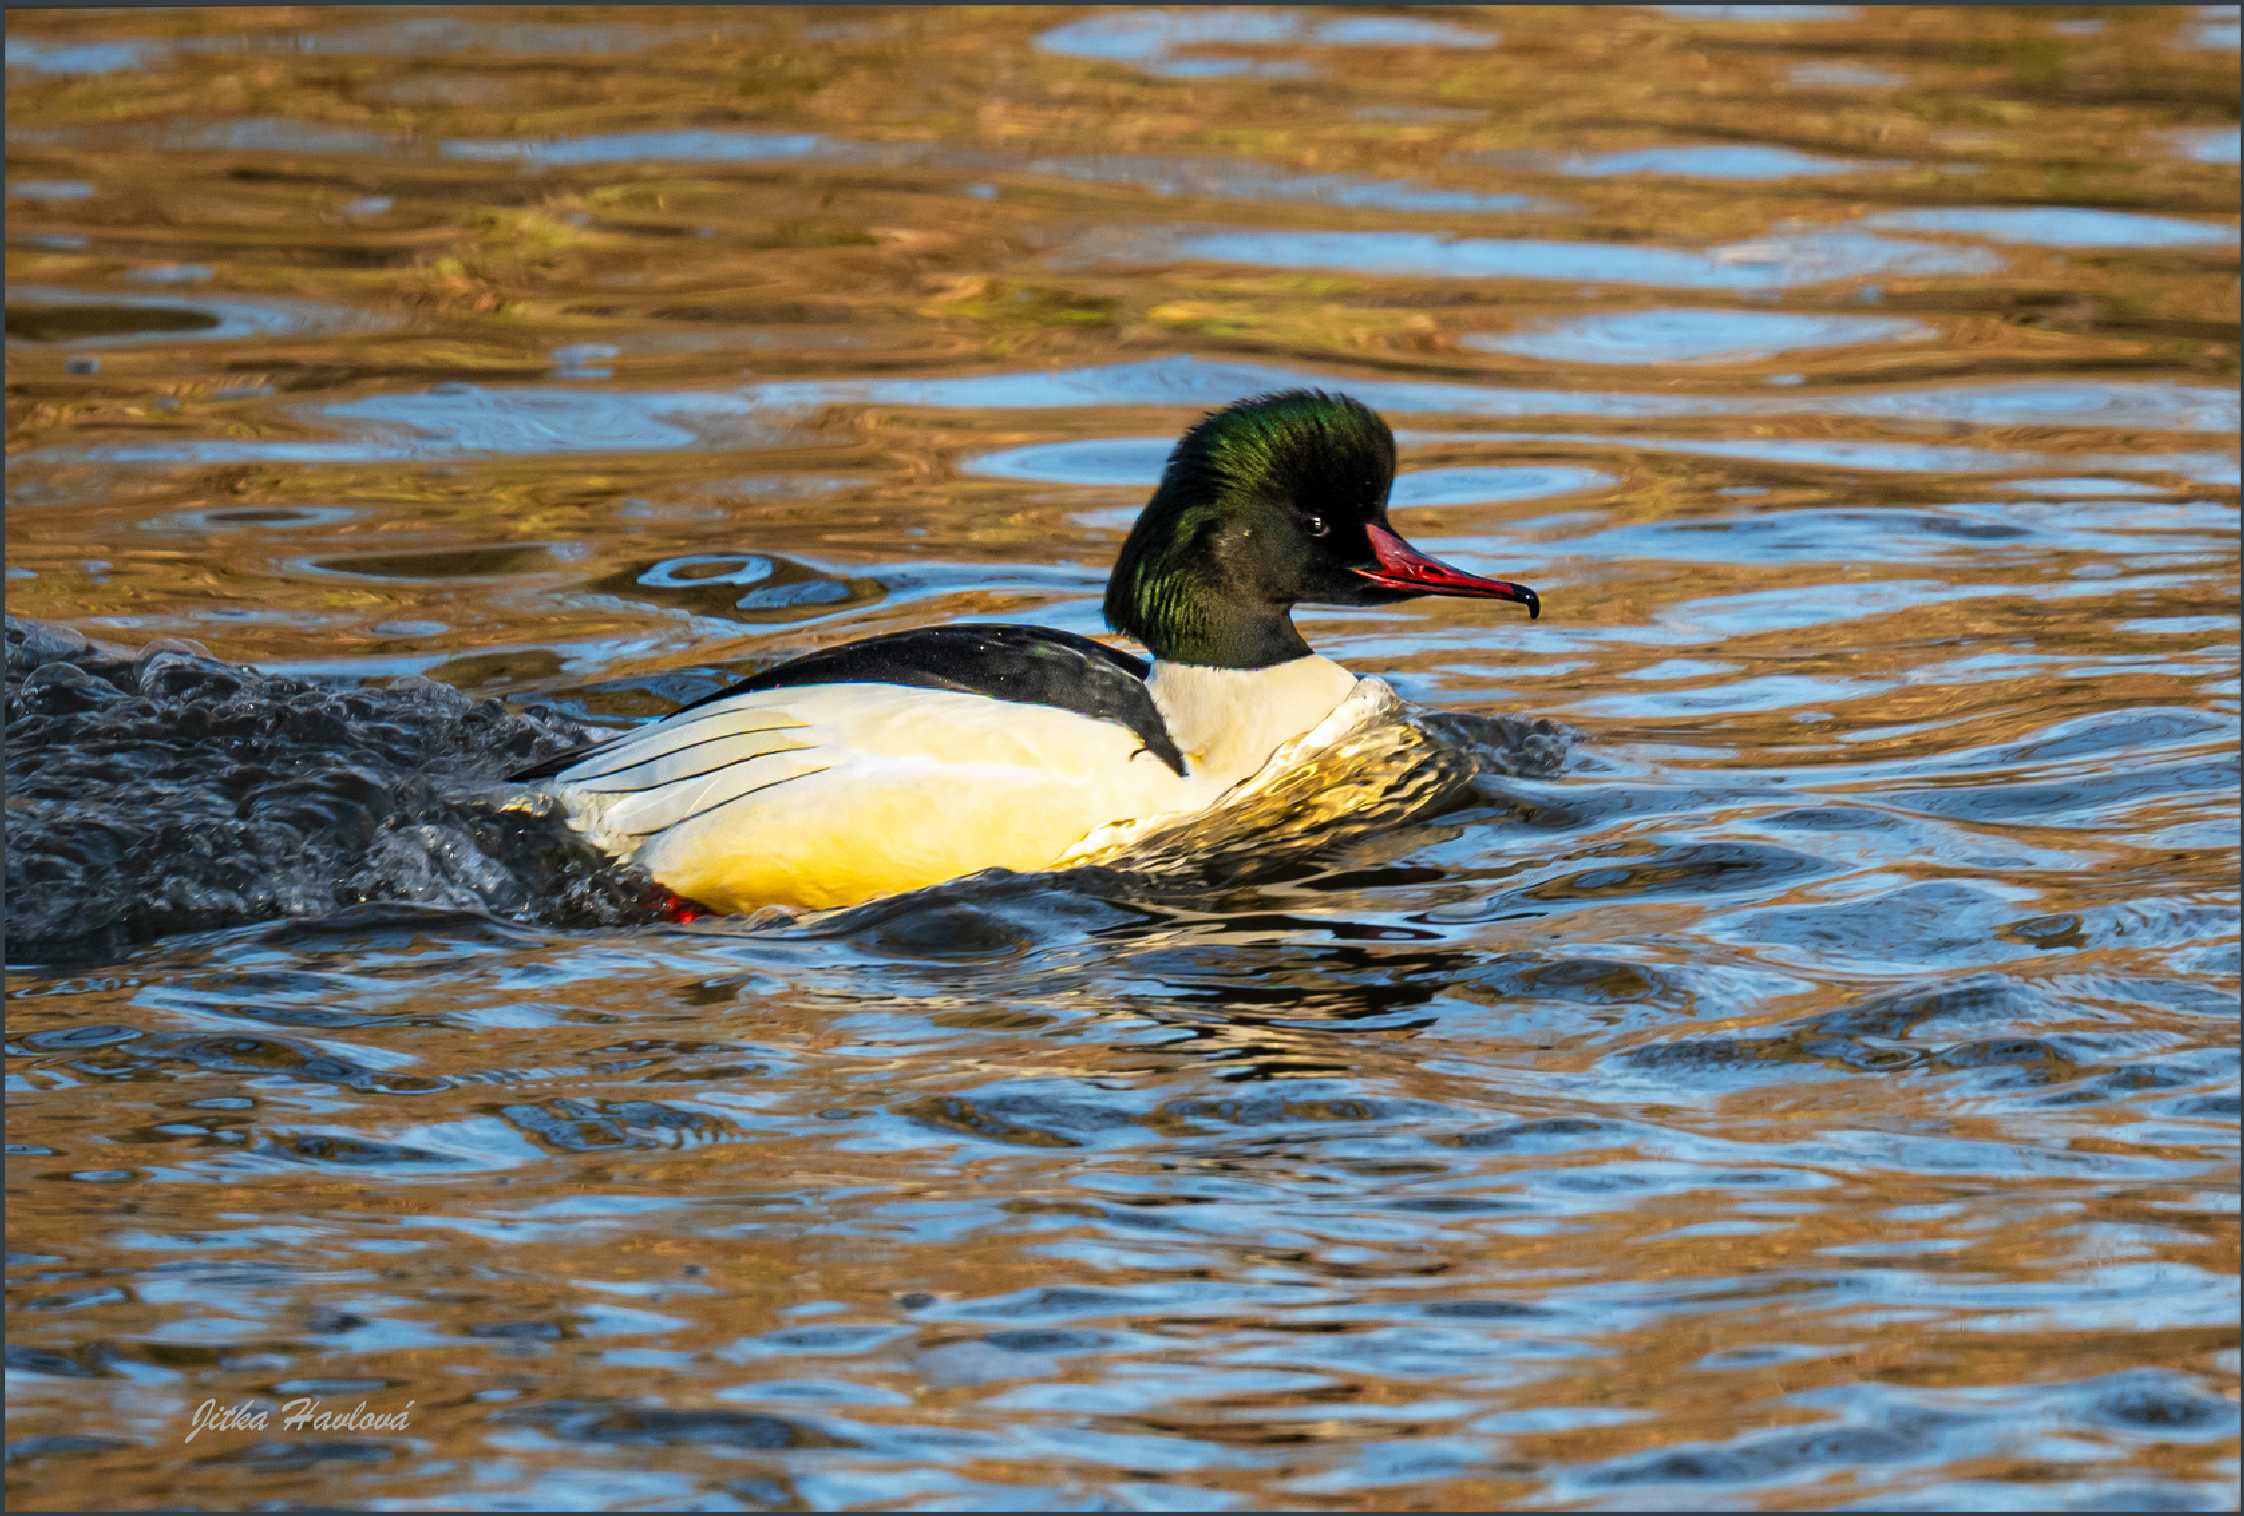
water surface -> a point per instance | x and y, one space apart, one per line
1788 1059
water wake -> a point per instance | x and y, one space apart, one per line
172 792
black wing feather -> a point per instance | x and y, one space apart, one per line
1032 664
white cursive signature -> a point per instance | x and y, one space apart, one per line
304 1413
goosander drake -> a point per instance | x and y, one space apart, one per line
903 760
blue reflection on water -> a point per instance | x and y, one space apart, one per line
1775 263
703 146
2060 226
1691 336
1714 160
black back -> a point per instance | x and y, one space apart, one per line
1030 664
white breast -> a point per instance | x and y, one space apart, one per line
1227 722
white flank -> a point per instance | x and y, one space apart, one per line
826 795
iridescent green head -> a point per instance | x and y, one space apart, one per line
1274 502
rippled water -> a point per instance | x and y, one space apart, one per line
1792 1061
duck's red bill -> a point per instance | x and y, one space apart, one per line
1402 567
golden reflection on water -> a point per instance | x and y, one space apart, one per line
1808 1080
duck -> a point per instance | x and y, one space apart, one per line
899 761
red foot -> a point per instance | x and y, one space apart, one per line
671 906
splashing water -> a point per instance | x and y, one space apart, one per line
172 792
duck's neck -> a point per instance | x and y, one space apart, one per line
1173 591
1208 625
1228 721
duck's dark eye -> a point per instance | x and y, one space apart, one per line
1316 526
